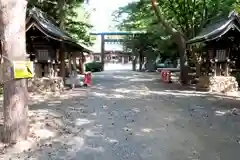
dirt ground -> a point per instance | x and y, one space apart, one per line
130 115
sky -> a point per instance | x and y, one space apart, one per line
102 19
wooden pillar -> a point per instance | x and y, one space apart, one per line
215 69
51 70
227 63
62 56
227 67
35 69
81 64
55 66
72 61
102 49
69 64
46 70
38 70
75 65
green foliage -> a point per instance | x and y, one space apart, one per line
187 17
139 16
94 66
68 13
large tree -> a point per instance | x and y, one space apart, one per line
12 31
181 20
155 41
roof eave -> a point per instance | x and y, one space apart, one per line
35 22
212 35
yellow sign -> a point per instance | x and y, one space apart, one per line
23 69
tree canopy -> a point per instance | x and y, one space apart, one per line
187 17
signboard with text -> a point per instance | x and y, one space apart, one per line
23 69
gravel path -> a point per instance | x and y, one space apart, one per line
130 115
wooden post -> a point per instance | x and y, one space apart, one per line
70 63
55 67
37 70
46 70
62 55
215 69
51 70
74 63
227 67
81 63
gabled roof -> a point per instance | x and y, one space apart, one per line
47 26
217 29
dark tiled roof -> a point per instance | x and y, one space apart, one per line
49 27
217 29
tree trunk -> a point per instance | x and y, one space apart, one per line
198 62
12 29
134 59
134 62
181 43
141 60
62 56
179 40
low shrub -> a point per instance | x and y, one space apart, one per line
94 66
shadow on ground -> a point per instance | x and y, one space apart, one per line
130 115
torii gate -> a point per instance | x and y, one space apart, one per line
116 40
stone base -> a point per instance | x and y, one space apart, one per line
45 84
219 84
